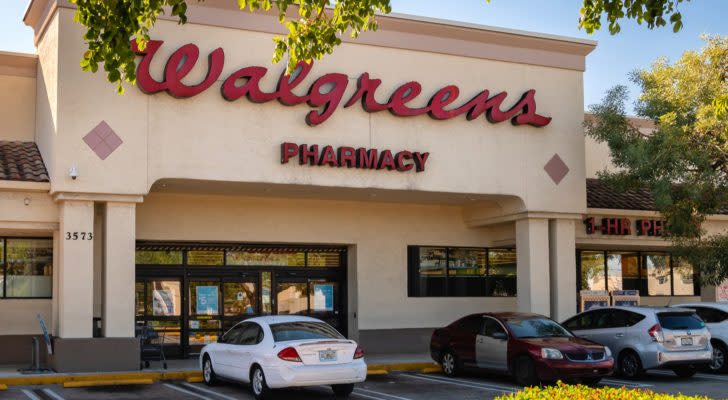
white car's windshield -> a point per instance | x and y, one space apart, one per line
301 330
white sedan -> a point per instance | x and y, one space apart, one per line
284 351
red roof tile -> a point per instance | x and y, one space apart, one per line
599 195
21 161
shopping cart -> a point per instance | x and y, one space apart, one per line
151 345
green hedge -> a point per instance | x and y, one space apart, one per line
563 391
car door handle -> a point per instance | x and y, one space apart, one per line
480 340
619 335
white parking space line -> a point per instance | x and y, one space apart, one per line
458 383
703 376
383 394
52 394
366 396
209 391
31 395
614 382
494 385
179 389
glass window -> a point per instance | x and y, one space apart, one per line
231 336
683 278
461 272
139 298
680 321
501 272
633 318
492 327
582 321
29 268
252 334
324 259
205 257
592 270
266 257
623 271
158 257
239 298
292 298
536 328
302 330
265 288
466 262
164 298
431 267
656 274
472 325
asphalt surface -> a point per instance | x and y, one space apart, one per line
395 386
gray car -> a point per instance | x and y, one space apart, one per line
643 338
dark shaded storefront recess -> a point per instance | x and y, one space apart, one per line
193 292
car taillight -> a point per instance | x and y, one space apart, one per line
358 353
289 354
656 333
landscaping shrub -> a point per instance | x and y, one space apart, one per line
562 391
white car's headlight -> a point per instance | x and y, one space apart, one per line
551 354
607 351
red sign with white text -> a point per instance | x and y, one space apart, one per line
181 62
354 158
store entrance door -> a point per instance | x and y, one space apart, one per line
216 304
318 297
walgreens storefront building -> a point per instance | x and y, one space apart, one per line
426 171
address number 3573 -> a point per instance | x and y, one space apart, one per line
79 235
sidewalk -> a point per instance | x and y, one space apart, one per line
188 369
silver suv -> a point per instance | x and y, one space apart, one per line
644 338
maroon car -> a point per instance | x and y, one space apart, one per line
529 347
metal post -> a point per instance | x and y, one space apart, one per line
36 354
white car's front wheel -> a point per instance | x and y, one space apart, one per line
208 374
257 383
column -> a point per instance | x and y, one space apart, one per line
119 269
75 269
532 251
563 268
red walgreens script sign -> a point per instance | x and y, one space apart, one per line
181 62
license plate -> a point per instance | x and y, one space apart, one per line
327 355
686 341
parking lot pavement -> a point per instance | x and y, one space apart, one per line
395 386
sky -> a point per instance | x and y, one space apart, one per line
635 47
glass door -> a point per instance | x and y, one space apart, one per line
315 297
204 321
159 305
240 301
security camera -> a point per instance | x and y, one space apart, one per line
73 173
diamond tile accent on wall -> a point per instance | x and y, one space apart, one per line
556 169
103 140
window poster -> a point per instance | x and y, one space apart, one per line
323 297
722 293
162 302
207 300
432 260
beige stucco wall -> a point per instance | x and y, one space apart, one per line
379 232
207 138
19 316
17 108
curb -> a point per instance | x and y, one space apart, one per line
87 378
383 369
110 382
189 376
